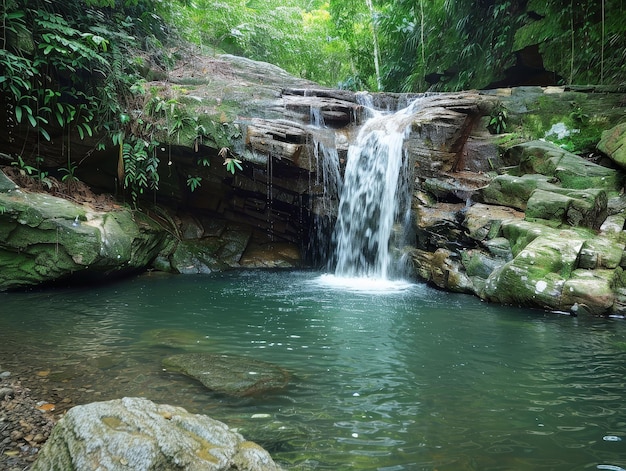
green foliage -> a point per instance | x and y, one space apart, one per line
232 164
69 175
68 66
296 35
141 166
23 167
498 119
193 182
582 42
35 172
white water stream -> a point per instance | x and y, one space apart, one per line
374 207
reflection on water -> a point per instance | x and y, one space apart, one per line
414 379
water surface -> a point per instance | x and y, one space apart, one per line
401 377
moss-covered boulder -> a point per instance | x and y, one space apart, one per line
571 170
535 277
578 208
44 238
514 190
590 291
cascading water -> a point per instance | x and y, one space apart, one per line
374 208
326 187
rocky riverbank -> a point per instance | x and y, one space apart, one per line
25 423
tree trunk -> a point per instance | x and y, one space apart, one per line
376 49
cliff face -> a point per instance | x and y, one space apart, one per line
501 207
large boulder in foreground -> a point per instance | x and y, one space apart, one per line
45 238
229 374
137 434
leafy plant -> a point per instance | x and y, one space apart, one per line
24 169
498 119
193 182
140 166
578 115
69 175
41 175
232 164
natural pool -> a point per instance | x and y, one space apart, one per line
407 378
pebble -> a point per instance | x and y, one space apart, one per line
24 428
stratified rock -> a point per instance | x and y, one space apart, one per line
229 374
578 208
137 434
44 238
514 190
571 170
613 144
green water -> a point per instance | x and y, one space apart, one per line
412 379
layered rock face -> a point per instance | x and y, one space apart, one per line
544 229
508 217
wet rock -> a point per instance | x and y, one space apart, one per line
229 374
44 238
591 291
514 190
613 144
578 208
137 434
271 255
571 171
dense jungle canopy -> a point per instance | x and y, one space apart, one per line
81 66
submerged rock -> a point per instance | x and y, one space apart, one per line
229 374
139 435
172 338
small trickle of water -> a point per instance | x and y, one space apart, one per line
374 203
325 188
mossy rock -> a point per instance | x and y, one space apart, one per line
613 144
6 184
601 252
585 208
589 291
535 277
520 233
514 191
44 238
483 221
571 170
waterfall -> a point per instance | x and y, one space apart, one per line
327 184
374 208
